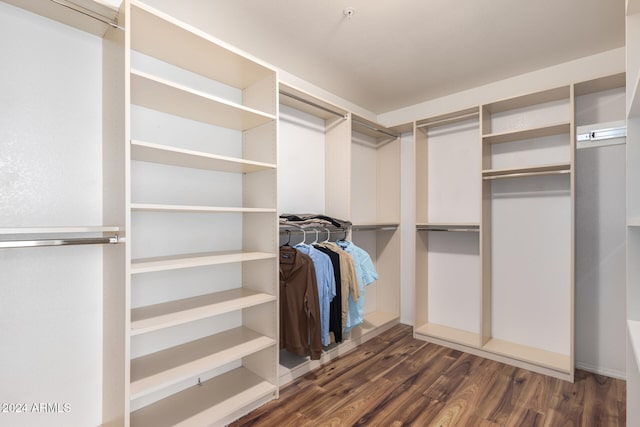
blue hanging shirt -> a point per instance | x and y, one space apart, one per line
366 273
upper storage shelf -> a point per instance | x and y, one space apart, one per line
529 100
160 36
162 95
519 135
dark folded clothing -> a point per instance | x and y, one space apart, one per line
336 222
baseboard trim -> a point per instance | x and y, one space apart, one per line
601 371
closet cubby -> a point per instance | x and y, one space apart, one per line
200 339
447 288
375 213
348 167
633 207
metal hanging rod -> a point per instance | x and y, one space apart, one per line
59 242
375 228
523 174
450 119
373 128
313 104
77 8
465 230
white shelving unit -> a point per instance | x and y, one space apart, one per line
448 182
359 165
198 344
633 208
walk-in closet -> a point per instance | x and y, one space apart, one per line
221 213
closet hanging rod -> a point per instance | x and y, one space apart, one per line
313 104
373 128
450 119
465 230
375 228
59 242
77 8
525 174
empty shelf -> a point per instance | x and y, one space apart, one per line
59 230
161 36
377 319
147 265
205 404
159 316
446 333
633 222
554 169
157 370
535 356
172 156
539 132
149 207
178 100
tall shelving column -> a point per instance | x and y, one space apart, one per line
528 150
633 210
448 195
201 298
375 213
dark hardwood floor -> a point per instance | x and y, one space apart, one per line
395 380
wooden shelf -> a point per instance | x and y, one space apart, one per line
519 135
535 356
149 207
158 370
178 100
528 171
159 35
204 404
148 265
172 156
376 320
159 316
446 333
59 230
633 222
528 100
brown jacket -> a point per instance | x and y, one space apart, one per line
299 305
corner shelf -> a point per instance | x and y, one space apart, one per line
157 370
215 399
172 156
532 355
446 333
164 315
178 100
148 265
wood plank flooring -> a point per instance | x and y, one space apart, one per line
396 380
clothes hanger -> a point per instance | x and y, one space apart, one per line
288 239
317 235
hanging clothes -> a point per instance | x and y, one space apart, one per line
349 279
335 307
366 274
326 285
300 330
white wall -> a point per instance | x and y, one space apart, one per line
50 175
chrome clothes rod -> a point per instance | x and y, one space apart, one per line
447 120
313 104
373 228
375 129
524 174
59 242
465 230
77 8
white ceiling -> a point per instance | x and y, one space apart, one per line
392 54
